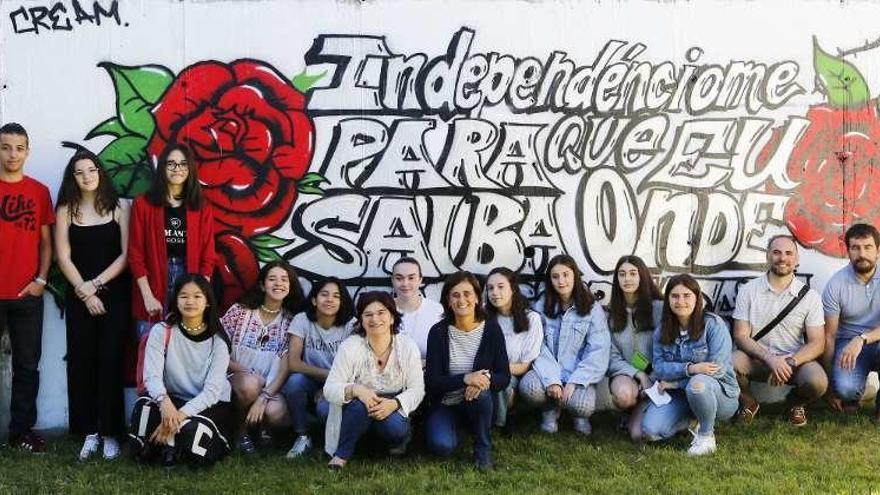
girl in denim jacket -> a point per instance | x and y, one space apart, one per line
575 353
692 360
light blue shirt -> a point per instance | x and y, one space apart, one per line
856 303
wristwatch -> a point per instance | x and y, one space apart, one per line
864 339
791 362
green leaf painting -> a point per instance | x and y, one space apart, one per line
126 162
842 82
269 241
310 183
304 82
266 255
137 90
110 127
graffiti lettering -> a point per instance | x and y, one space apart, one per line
61 17
368 77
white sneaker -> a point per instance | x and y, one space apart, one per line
702 445
583 426
90 446
550 421
111 448
301 446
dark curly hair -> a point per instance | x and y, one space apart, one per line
346 307
383 298
293 303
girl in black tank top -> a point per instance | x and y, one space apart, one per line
91 254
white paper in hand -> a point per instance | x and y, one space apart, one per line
657 396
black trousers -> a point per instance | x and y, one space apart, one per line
23 318
94 365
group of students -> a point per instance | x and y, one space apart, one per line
210 380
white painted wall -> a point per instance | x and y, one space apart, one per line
51 83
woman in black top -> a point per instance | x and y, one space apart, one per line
465 364
91 235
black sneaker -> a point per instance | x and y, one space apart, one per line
168 457
29 442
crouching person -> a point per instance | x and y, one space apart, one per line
692 361
375 382
186 413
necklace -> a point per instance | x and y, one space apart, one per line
193 331
383 356
270 311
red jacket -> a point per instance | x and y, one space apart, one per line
148 257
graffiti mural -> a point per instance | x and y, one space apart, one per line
469 160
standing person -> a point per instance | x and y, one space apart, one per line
784 352
25 255
635 311
186 412
852 320
91 240
419 313
376 381
313 340
522 328
257 327
172 233
692 359
577 346
467 362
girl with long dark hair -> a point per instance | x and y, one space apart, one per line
574 357
257 327
522 328
634 313
172 233
91 239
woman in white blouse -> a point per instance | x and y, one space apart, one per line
522 328
376 381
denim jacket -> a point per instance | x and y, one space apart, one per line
576 348
670 361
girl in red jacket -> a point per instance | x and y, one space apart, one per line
172 233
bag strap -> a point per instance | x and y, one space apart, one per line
167 336
782 314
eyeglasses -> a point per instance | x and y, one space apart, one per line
173 166
83 173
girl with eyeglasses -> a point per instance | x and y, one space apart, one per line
172 233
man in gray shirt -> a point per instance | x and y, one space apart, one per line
852 319
787 353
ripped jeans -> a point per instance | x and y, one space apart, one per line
702 398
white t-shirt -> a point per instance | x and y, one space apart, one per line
418 323
522 347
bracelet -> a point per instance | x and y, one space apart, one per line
399 405
40 280
266 395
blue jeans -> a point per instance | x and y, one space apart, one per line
702 398
355 422
299 392
443 423
176 269
501 398
849 385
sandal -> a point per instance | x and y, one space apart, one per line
747 414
